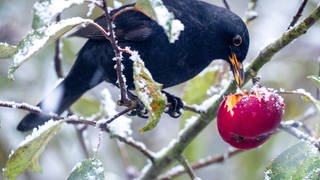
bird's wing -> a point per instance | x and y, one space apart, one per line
130 25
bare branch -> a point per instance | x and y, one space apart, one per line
185 163
82 141
251 13
179 170
122 84
226 4
130 171
299 134
298 14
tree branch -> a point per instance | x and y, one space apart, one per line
226 4
251 13
298 14
171 153
188 168
179 170
121 79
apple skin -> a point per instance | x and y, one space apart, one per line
247 120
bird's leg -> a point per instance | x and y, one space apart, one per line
175 105
138 109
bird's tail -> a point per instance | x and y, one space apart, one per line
85 74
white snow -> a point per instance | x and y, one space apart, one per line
117 4
38 132
173 27
267 174
122 125
37 39
91 7
46 10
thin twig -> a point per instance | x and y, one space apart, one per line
179 170
122 84
82 141
226 4
185 163
192 109
118 115
251 13
299 134
297 16
57 53
130 171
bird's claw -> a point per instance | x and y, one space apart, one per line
138 107
175 105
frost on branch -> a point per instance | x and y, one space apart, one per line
29 150
37 39
149 91
156 10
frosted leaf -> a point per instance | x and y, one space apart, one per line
148 91
300 161
7 50
28 152
89 169
45 10
156 10
37 39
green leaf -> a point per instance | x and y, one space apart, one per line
145 6
37 39
315 79
7 50
301 161
156 10
86 106
88 169
29 151
148 91
45 10
200 84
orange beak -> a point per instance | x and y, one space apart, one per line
237 69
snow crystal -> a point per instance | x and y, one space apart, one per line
164 150
46 10
91 7
173 27
35 40
207 103
121 126
267 174
189 123
117 4
145 169
38 132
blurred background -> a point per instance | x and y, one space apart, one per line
35 79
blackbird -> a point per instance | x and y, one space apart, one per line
210 32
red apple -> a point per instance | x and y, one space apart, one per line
247 120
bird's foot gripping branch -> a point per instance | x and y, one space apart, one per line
131 45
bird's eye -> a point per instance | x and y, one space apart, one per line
237 40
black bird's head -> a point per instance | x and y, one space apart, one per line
233 38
